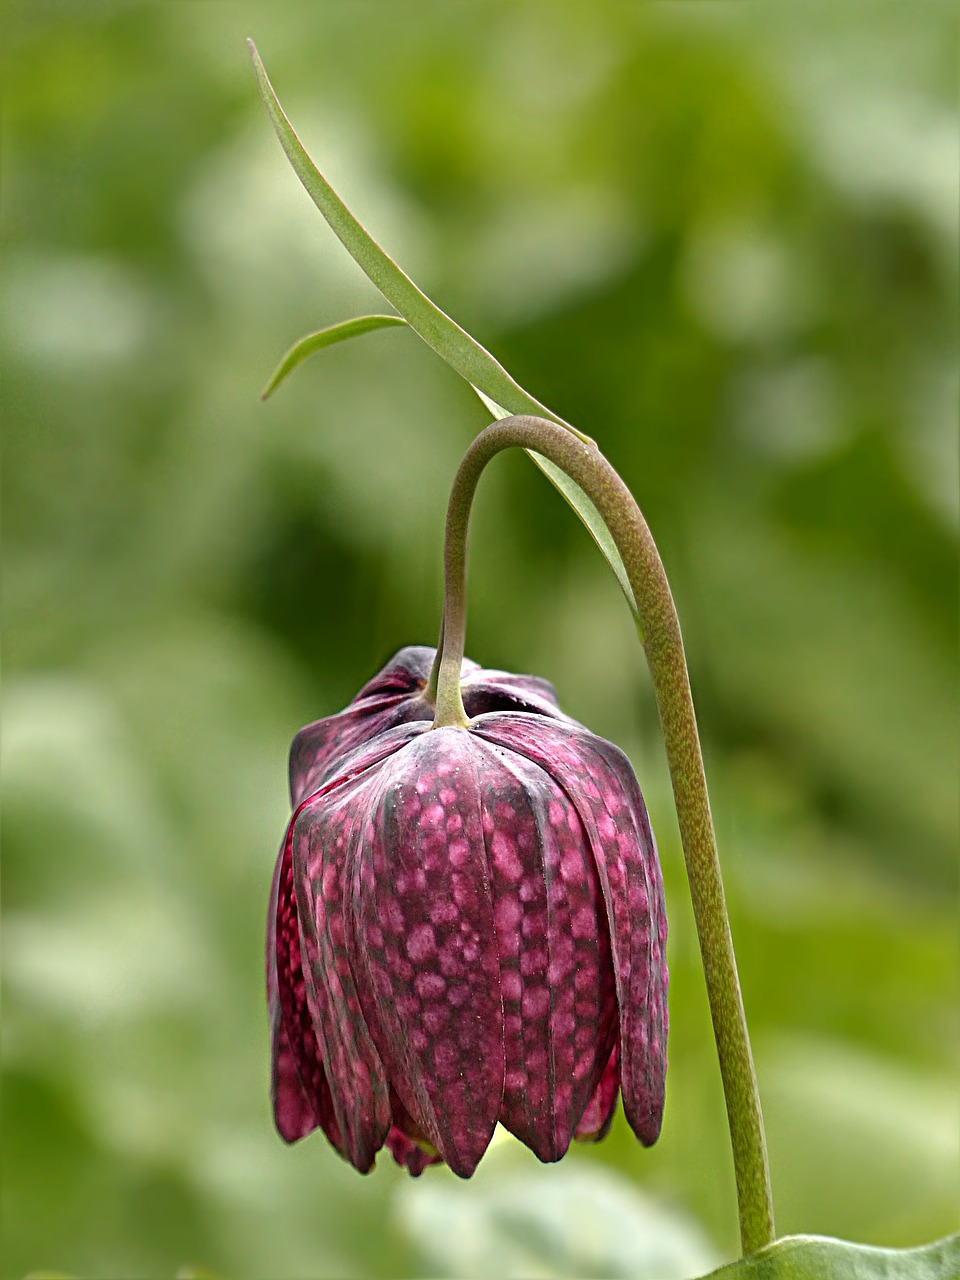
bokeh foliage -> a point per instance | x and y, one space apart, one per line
721 239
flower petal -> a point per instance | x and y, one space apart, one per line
598 1115
408 1155
318 748
393 697
556 975
292 1112
406 1143
600 782
484 691
422 935
325 831
301 1095
406 672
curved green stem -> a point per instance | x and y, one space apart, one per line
663 645
430 689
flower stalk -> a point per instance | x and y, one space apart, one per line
663 645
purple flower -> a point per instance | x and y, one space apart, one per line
466 927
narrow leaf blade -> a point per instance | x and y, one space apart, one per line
502 395
312 342
462 352
592 520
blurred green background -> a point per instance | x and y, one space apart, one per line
722 239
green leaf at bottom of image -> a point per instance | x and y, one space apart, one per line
820 1258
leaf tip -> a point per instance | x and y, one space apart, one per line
259 70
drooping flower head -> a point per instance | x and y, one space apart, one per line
466 927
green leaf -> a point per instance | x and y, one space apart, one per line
463 353
499 392
819 1258
325 338
588 513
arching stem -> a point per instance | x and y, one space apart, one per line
663 645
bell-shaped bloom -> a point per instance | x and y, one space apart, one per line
467 926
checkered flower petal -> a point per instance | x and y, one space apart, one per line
466 927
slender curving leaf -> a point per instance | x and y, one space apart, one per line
495 387
462 352
820 1258
588 513
325 338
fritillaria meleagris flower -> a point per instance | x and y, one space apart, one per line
466 927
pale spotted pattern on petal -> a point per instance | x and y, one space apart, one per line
556 976
293 1114
302 1095
324 833
424 935
319 749
391 698
470 927
600 782
598 1116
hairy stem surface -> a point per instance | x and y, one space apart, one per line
663 645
